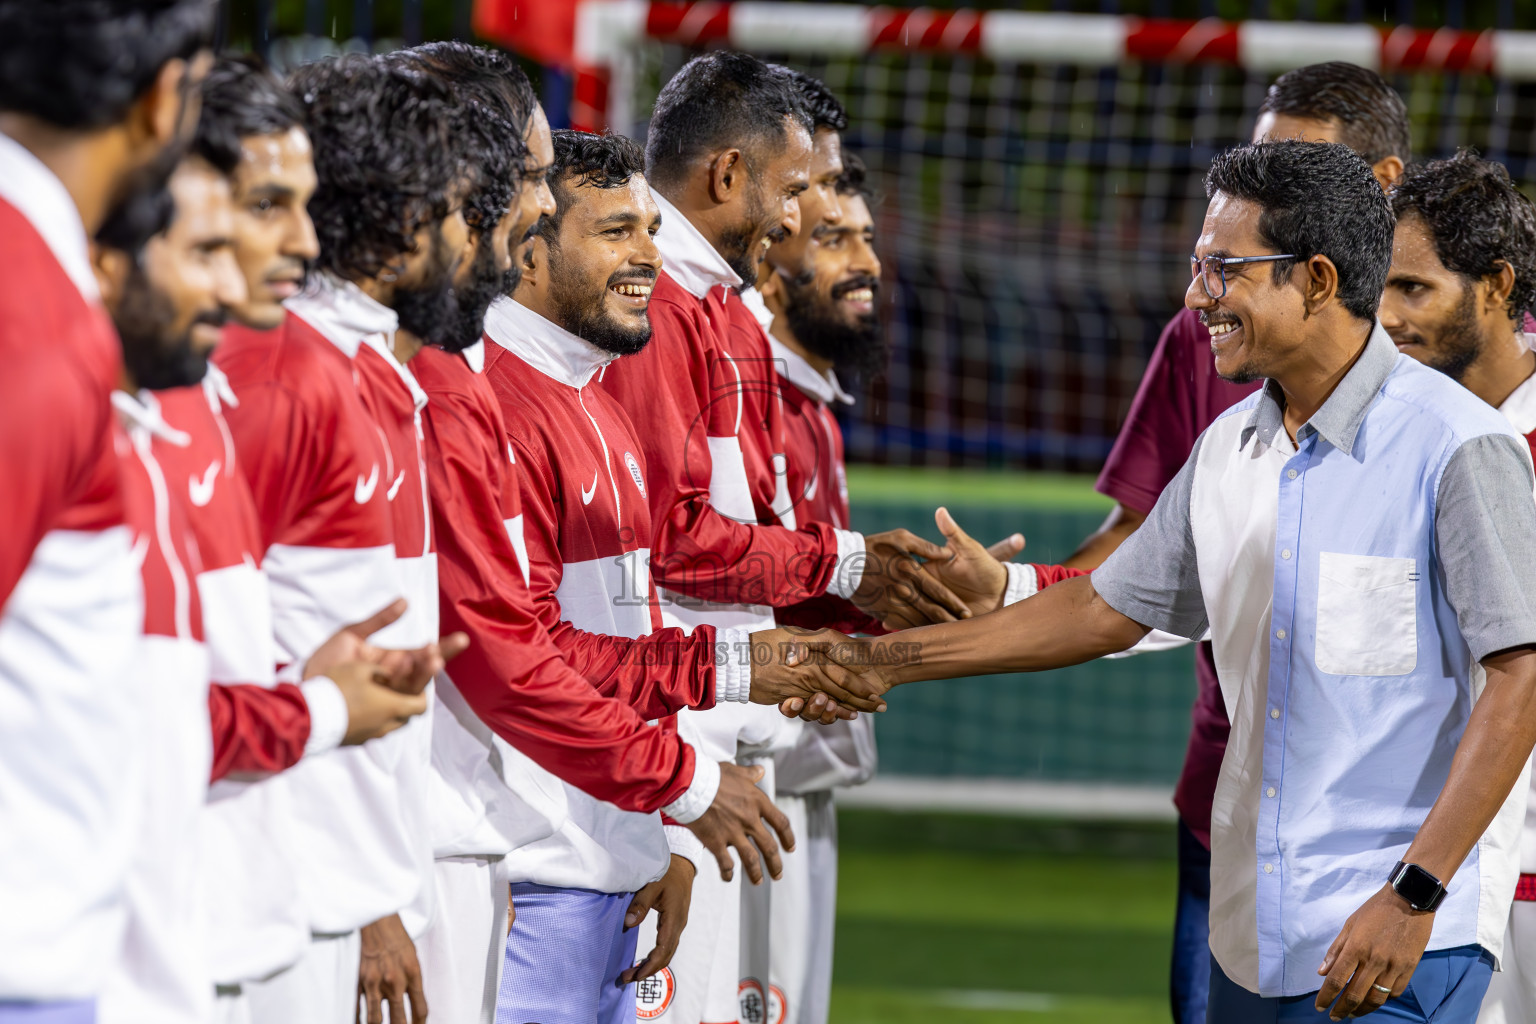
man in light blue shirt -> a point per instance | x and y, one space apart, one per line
1359 538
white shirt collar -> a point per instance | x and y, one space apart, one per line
687 256
753 300
342 312
27 184
141 412
543 344
475 356
823 386
1520 407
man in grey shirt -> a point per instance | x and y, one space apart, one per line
1360 541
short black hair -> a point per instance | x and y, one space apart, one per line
854 181
1315 198
583 158
81 64
1477 218
823 108
1372 115
389 155
716 101
490 83
242 99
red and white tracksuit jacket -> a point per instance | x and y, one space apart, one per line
691 401
71 605
1520 409
691 406
315 462
396 402
162 971
257 924
585 541
511 709
843 753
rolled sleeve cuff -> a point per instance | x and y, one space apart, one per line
1022 583
700 793
1121 595
328 718
684 843
849 572
733 674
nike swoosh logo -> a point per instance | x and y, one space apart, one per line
587 492
201 491
363 493
394 488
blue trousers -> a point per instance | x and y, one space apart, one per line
1446 988
564 957
1189 980
78 1012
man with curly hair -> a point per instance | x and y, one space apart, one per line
1463 280
328 431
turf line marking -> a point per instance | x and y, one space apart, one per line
982 999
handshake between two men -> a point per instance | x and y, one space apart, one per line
823 675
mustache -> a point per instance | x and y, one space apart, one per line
1207 319
854 284
635 275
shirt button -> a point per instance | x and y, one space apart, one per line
1270 791
1290 474
1274 712
1280 633
1269 869
1286 553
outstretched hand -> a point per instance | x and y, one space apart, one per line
971 572
896 591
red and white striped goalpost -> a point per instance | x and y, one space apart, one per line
606 33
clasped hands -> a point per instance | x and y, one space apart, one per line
381 686
824 675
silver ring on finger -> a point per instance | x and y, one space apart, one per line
1382 988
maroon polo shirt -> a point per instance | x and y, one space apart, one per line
1180 395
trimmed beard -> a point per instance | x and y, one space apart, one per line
588 318
1459 343
156 362
857 349
737 244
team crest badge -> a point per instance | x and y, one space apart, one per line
634 472
654 994
752 1002
778 1009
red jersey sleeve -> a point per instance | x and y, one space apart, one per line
46 470
658 674
677 398
256 730
512 675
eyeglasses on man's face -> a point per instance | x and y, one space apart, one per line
1212 270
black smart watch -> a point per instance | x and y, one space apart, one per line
1422 890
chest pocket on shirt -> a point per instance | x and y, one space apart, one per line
1366 615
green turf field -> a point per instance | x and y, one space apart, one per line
996 921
